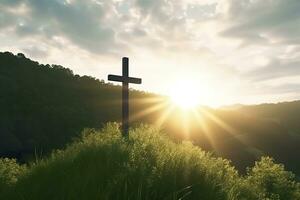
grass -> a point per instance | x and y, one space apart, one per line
103 165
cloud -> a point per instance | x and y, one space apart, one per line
200 11
10 2
5 19
82 22
269 21
104 26
284 89
275 69
36 51
268 28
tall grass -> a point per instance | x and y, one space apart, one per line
103 165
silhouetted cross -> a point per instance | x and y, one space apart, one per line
125 79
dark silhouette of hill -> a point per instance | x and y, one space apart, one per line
285 113
42 107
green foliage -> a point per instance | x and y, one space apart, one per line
148 165
10 170
271 181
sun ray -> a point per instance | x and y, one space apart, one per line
164 115
185 124
221 123
205 129
149 99
229 129
148 111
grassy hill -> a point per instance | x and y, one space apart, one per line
102 165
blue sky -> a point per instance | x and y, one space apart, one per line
232 51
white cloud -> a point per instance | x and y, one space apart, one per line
269 21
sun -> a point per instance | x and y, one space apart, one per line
185 95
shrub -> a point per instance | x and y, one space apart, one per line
271 181
10 170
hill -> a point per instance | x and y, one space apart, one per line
44 106
102 165
285 113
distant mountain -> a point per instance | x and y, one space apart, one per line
232 107
286 114
43 107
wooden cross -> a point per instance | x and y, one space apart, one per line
125 79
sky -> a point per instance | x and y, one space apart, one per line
228 51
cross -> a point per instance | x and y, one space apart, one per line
125 79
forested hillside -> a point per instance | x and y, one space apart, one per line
286 114
42 107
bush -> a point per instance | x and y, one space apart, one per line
270 181
10 170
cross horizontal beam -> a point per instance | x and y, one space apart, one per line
124 79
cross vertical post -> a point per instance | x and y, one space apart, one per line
125 97
125 79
